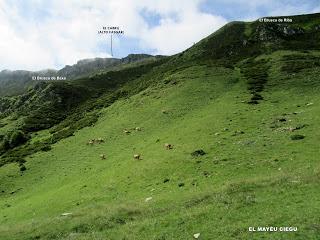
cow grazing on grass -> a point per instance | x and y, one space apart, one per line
168 146
99 140
94 141
90 142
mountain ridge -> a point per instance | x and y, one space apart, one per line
17 81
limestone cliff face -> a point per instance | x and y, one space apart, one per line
270 32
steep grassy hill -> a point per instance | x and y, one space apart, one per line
240 110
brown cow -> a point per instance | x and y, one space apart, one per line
99 140
138 129
90 142
168 146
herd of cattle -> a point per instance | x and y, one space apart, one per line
136 156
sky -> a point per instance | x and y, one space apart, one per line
42 34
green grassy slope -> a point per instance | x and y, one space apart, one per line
254 172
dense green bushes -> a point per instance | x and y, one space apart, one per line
17 138
256 74
13 139
297 137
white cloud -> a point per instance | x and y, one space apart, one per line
174 36
68 30
28 44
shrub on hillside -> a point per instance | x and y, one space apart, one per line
198 153
297 137
4 145
12 140
17 138
256 96
22 167
45 148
